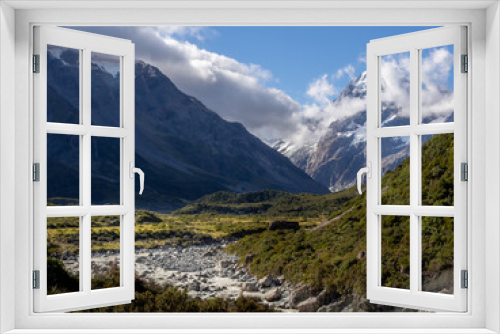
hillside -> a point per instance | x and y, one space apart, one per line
332 256
268 204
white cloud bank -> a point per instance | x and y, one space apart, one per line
236 91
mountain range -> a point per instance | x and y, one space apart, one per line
185 149
336 157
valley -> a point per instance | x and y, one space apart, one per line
219 248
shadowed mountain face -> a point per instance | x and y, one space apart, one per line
185 149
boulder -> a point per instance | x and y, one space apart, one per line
299 294
249 287
266 281
309 305
257 296
273 295
283 225
325 297
337 306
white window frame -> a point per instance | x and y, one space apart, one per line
484 102
414 296
85 43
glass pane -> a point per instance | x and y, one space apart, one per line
437 254
63 169
105 90
105 252
396 252
63 85
437 84
63 250
395 89
395 153
438 169
105 170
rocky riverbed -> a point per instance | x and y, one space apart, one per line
205 271
208 272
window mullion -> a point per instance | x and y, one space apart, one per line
415 246
86 166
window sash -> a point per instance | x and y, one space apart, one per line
414 298
86 297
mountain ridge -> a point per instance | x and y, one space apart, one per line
335 158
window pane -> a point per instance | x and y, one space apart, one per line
63 84
438 169
63 169
395 89
396 252
105 91
105 252
437 84
105 170
63 255
395 153
437 254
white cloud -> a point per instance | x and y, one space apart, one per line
235 90
437 97
347 70
437 67
199 33
395 81
321 90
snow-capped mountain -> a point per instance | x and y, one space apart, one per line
336 157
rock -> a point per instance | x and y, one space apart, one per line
195 286
299 294
224 263
309 305
266 281
207 254
337 306
257 296
273 295
283 225
249 258
361 255
323 309
249 287
326 297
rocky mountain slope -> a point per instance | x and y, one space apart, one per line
336 158
185 149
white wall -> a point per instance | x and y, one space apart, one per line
492 165
7 163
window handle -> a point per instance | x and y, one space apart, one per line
139 171
365 170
